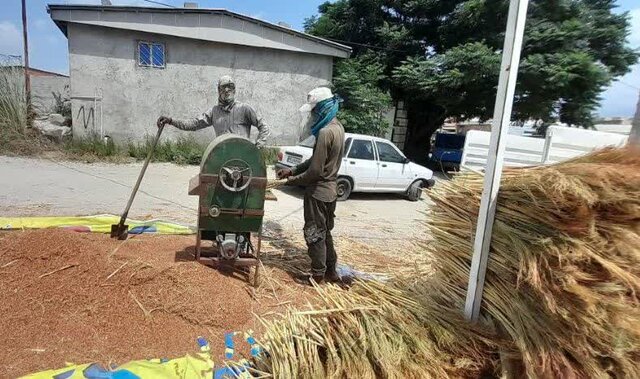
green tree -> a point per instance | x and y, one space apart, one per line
443 57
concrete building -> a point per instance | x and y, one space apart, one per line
44 84
129 65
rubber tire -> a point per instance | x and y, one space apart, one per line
344 188
414 192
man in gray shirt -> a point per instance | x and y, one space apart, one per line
229 116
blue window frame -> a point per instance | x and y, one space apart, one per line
151 54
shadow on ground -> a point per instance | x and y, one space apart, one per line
188 254
298 193
287 256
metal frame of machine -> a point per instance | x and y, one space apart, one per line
231 187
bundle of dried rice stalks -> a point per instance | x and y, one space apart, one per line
563 277
561 297
373 331
276 183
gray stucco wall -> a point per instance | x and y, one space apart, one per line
103 61
41 91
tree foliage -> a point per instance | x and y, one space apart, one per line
357 81
447 53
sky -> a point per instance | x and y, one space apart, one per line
48 46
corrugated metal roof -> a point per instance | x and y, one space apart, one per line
248 30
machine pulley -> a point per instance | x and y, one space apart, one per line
235 175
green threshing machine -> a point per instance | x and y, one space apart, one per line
231 186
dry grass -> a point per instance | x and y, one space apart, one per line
373 331
561 296
14 106
564 270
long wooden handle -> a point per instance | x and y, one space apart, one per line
123 218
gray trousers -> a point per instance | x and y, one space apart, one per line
318 223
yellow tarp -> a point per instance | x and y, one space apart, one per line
97 224
199 366
187 367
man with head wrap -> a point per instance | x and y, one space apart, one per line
319 174
229 116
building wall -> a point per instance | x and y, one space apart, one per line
103 61
399 131
42 88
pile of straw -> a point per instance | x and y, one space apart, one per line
563 278
374 330
276 183
561 297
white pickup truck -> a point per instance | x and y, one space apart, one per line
370 164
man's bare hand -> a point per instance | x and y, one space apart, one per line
164 120
284 173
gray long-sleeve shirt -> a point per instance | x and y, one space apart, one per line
238 120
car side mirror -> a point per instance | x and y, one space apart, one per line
406 160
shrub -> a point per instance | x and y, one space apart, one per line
185 150
270 155
14 106
92 145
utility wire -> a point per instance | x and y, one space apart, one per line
365 45
629 85
159 3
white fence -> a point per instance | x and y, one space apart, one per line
561 143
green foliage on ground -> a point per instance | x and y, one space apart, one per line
91 145
184 150
270 155
62 104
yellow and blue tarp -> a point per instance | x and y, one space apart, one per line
200 366
96 224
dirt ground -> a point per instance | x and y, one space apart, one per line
76 297
49 187
80 297
83 297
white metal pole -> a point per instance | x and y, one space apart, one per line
547 145
501 118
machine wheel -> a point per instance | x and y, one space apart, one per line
344 188
414 192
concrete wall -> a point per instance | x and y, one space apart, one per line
399 131
41 91
103 61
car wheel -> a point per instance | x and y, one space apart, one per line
414 192
344 188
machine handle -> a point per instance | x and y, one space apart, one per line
352 162
123 218
384 165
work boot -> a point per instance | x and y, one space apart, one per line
306 279
332 276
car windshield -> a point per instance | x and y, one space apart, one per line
308 142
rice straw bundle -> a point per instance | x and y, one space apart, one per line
563 277
271 184
561 297
372 331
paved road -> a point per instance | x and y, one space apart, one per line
42 187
